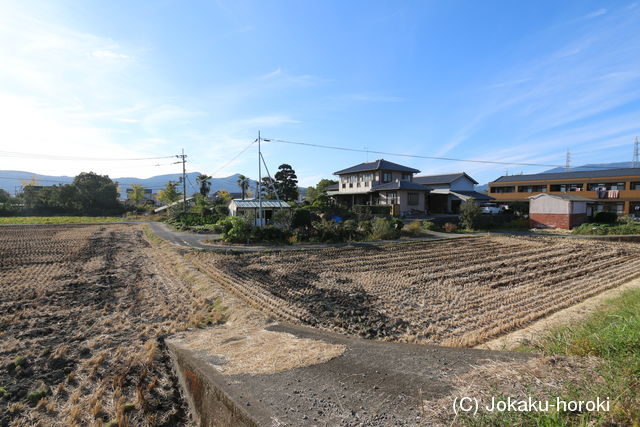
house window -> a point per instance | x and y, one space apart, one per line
509 189
392 198
635 185
413 199
351 185
358 184
344 185
387 177
406 177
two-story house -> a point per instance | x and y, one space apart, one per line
380 182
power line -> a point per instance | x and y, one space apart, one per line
75 158
493 162
234 158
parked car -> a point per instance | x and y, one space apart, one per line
491 208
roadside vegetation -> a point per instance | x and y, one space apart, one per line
605 225
609 340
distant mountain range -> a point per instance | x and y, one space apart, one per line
12 181
596 166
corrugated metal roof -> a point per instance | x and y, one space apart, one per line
380 164
441 179
571 197
472 194
606 173
256 204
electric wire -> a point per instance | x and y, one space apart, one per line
386 153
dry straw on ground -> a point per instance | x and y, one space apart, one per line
456 293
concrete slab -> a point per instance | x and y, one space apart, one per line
366 382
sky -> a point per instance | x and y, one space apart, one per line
493 80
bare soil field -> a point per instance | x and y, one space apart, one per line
461 292
85 309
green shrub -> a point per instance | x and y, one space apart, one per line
470 211
240 231
605 217
428 225
366 211
269 234
302 218
415 228
385 229
449 227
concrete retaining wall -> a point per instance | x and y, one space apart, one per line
211 401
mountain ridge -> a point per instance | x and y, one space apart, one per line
12 180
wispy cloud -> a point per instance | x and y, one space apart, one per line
586 78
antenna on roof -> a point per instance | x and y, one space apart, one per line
567 163
636 151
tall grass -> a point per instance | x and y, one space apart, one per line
612 334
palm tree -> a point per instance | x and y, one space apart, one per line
243 183
204 181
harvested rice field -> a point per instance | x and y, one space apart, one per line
85 310
458 292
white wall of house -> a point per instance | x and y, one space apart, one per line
367 180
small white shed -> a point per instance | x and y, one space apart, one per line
269 207
557 210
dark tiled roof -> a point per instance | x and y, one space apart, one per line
606 173
441 179
400 185
332 187
380 164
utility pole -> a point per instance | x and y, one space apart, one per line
184 181
567 163
259 182
636 154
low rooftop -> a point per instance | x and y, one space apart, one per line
380 164
441 179
603 173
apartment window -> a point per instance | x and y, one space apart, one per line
351 185
532 189
635 185
566 187
505 189
344 185
413 199
358 184
392 198
617 208
406 176
387 177
606 186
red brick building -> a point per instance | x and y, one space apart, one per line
557 210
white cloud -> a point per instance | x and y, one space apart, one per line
108 54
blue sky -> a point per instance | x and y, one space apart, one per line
497 80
